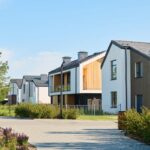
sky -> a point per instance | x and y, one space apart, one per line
36 34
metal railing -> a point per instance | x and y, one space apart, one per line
85 109
58 88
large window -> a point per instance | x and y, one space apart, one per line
113 70
138 69
114 99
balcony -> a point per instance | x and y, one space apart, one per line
58 88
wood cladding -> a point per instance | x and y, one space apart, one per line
92 76
140 86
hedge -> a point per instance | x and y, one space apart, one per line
28 110
137 124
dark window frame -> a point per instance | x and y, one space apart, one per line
113 77
114 99
139 69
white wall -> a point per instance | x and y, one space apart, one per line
43 95
118 85
33 95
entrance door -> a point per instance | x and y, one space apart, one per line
138 102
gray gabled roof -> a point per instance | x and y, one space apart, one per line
142 48
75 63
30 77
40 83
36 80
17 81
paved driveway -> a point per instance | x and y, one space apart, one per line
73 134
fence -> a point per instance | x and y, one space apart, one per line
85 109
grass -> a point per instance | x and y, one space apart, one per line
6 110
97 117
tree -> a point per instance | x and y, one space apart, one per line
3 78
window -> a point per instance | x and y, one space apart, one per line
138 69
138 102
113 70
24 87
114 99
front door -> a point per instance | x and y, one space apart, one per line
138 103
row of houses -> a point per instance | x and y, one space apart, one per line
114 80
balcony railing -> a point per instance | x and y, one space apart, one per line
58 88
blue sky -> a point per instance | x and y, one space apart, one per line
35 34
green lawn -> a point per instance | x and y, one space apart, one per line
97 117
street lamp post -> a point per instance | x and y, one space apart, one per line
61 90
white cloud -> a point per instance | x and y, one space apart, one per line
41 62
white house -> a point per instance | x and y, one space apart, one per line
126 76
15 90
81 80
35 89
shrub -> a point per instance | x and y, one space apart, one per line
70 113
138 124
36 111
121 120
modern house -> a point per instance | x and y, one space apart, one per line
81 80
35 89
126 76
15 91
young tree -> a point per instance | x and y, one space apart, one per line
3 78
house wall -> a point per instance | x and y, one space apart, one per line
14 90
33 98
93 73
140 85
119 85
25 96
43 95
92 76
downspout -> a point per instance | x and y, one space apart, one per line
75 80
126 83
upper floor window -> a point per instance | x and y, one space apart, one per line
138 69
114 99
113 70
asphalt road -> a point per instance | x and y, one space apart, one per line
73 134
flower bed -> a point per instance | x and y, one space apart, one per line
10 140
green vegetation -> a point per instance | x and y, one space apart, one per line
97 117
70 114
137 125
28 110
13 141
3 79
6 110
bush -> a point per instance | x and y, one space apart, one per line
70 113
27 110
7 110
138 124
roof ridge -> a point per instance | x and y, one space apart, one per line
131 41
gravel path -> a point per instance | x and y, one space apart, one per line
73 134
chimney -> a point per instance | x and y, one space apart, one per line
44 77
66 59
82 55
